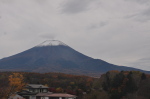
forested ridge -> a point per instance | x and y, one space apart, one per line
111 85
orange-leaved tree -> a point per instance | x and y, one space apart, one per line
16 83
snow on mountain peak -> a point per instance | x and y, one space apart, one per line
52 43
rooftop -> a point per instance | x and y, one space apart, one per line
36 86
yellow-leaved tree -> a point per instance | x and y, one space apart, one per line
16 83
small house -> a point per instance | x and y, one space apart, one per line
31 90
38 91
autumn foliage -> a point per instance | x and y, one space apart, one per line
111 85
14 83
58 82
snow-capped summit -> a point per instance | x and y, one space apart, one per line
51 43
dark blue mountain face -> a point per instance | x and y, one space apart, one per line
58 58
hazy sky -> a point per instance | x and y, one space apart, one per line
117 31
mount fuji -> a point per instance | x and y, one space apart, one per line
56 56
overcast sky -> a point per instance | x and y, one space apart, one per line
117 31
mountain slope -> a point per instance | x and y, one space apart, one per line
143 63
55 56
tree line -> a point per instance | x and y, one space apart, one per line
111 85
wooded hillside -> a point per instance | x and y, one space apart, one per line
111 85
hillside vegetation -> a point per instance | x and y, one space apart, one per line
111 85
121 85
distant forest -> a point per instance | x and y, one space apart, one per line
111 85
